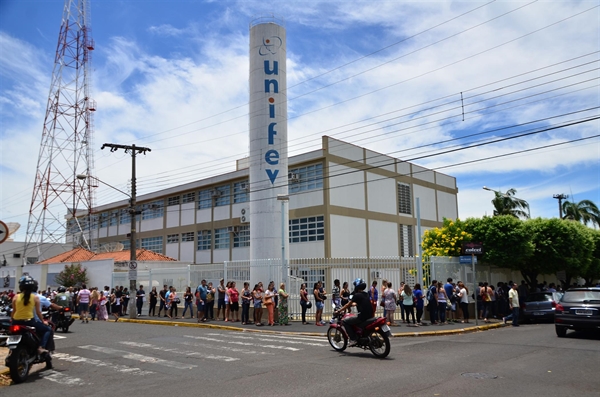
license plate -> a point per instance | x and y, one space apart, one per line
584 312
538 313
385 328
14 339
68 315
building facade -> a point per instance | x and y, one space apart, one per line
344 201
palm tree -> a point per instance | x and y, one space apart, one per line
508 204
584 211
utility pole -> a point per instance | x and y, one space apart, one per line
560 198
133 150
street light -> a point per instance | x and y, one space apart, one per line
506 195
283 198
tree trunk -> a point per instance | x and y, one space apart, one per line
531 279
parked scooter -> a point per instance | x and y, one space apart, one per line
373 334
23 345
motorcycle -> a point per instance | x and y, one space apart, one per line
374 334
23 345
64 319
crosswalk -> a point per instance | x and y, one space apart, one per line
166 356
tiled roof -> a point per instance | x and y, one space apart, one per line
83 255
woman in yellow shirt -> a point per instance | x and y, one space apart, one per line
24 305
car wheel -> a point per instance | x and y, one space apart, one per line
561 332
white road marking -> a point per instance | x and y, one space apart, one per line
293 337
99 363
243 343
138 357
227 348
182 352
59 337
61 378
269 339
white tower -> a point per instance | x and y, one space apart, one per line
268 144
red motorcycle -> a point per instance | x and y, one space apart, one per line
373 334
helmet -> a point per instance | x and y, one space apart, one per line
62 289
360 284
26 282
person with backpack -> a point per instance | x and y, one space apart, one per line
418 301
432 304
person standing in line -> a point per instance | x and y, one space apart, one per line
201 293
163 301
409 307
442 300
513 303
449 290
83 301
140 295
345 293
319 303
115 301
282 308
210 301
389 295
400 302
304 302
102 304
227 301
94 299
221 292
268 301
418 299
173 301
523 292
257 300
246 301
464 301
152 303
384 283
336 293
486 300
125 304
432 305
374 296
188 302
234 302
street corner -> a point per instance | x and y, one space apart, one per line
457 331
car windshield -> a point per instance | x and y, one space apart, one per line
581 296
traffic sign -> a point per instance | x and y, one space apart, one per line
3 232
132 275
466 259
132 265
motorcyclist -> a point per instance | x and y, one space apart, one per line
61 300
25 305
363 305
45 304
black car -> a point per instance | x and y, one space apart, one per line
579 310
540 306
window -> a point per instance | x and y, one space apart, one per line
113 218
223 196
154 244
241 238
174 200
153 210
187 236
307 229
406 240
104 219
204 240
221 238
125 217
404 199
306 178
172 238
126 245
241 192
32 259
72 226
188 197
16 255
204 199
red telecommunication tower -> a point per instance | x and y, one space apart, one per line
61 203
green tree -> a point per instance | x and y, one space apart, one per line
592 273
508 204
585 211
559 245
72 275
445 241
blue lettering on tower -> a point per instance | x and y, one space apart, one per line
272 155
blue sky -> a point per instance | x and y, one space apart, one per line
173 76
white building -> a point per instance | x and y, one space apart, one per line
344 201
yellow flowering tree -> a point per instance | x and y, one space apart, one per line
445 241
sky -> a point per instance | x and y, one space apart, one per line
414 80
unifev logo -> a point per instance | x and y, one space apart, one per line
271 69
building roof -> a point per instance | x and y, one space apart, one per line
83 255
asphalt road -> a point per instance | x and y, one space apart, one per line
104 358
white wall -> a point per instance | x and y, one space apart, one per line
380 161
238 254
186 251
348 236
306 199
427 199
383 238
202 215
187 213
221 213
346 150
172 251
445 180
309 249
423 174
447 206
203 257
352 195
382 194
172 216
221 255
151 224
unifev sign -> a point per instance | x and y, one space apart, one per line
472 249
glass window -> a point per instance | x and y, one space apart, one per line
104 219
187 236
404 200
241 192
221 238
223 196
114 218
241 237
204 199
204 240
406 241
188 197
172 238
154 244
173 200
305 178
125 217
153 210
581 297
307 229
126 245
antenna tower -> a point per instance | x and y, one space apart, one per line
61 203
